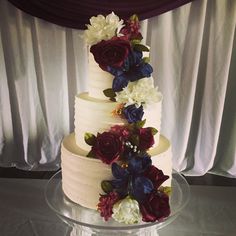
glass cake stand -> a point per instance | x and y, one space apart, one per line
87 222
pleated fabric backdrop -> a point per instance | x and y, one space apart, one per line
193 53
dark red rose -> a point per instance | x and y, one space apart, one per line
156 176
106 203
156 207
107 147
111 52
146 139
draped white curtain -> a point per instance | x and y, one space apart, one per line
193 53
194 59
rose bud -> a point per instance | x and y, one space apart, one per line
146 139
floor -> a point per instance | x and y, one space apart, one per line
208 179
16 173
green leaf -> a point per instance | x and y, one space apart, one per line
167 190
109 93
89 139
141 47
106 186
113 99
134 139
134 17
153 130
91 154
140 124
146 59
135 41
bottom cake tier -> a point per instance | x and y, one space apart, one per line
82 176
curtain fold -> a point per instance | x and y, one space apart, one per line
193 62
76 14
40 75
193 53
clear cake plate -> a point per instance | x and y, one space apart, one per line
87 222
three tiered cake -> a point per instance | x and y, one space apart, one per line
116 160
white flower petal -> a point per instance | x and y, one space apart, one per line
102 28
139 92
126 211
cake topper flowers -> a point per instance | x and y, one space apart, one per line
131 29
116 47
102 28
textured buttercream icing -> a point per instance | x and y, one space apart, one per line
95 115
82 176
99 79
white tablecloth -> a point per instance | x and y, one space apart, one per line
211 211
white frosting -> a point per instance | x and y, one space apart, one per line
82 176
95 115
99 79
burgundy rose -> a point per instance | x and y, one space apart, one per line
156 176
146 139
131 29
156 207
107 147
111 53
120 130
106 203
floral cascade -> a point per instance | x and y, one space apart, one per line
135 192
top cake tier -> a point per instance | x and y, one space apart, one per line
99 80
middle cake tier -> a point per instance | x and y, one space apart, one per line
97 115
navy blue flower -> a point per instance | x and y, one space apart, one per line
141 186
133 69
115 71
119 83
140 71
133 114
139 163
121 181
131 180
118 172
134 58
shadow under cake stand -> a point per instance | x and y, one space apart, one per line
87 222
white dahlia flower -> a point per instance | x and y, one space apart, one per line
126 211
102 28
140 92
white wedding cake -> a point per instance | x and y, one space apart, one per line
117 155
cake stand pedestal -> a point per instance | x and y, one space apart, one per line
87 222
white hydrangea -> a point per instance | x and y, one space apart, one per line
126 211
140 92
102 28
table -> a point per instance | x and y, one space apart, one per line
211 211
